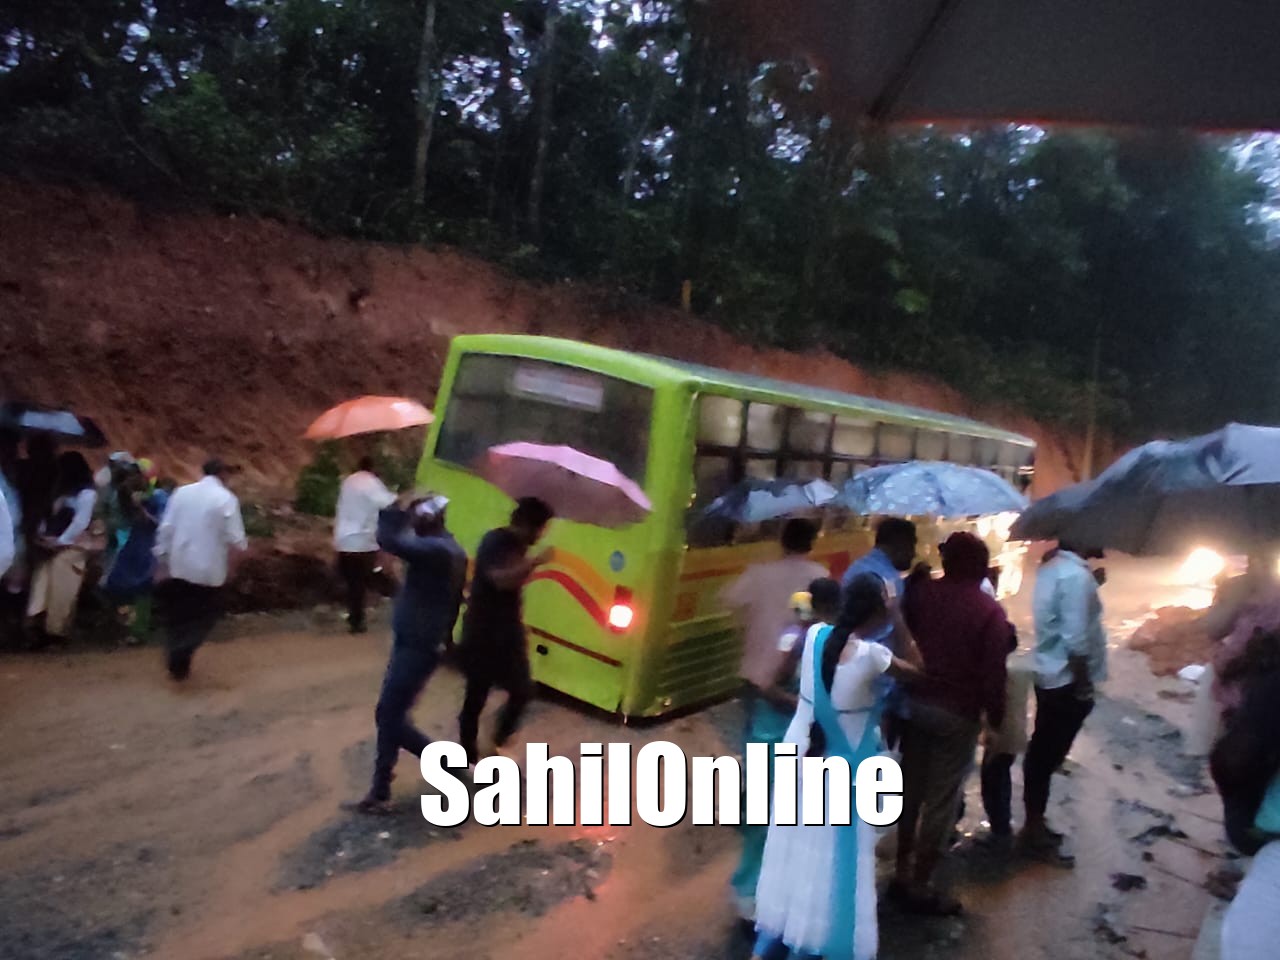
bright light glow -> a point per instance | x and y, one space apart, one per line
621 616
1202 567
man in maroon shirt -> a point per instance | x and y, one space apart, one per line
963 636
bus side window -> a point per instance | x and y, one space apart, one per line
765 424
854 437
719 421
931 445
713 476
807 434
1013 456
988 453
896 443
960 449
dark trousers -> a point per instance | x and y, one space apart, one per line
407 674
510 672
937 755
997 790
1059 717
356 570
192 611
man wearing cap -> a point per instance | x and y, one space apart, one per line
201 525
426 610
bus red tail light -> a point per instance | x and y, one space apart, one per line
622 614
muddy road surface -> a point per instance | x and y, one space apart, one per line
205 822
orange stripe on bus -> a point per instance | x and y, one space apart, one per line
584 572
575 590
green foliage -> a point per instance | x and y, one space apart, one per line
397 468
995 259
318 483
258 522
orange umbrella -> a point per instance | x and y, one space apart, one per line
368 415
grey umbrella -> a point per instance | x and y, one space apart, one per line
63 424
1221 489
1160 63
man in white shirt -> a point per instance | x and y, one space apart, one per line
201 524
355 535
761 598
1070 660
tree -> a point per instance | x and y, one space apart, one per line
544 102
627 145
427 96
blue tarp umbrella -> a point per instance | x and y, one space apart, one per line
1221 489
922 488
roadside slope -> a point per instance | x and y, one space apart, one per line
185 333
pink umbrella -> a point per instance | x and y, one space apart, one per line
575 485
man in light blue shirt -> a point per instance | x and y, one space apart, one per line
1070 660
892 556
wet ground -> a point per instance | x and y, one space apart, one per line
204 822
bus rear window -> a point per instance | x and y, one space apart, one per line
498 400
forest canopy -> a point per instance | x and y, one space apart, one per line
624 144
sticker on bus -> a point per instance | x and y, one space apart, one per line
569 389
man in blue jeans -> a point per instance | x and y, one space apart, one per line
425 612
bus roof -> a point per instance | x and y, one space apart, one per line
654 370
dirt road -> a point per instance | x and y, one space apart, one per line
138 818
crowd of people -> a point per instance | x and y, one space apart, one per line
896 660
63 521
135 532
892 659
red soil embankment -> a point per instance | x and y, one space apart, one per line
187 333
184 334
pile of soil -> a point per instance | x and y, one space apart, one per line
1171 640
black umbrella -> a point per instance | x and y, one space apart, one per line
63 424
1182 63
1221 489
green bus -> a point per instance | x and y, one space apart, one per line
628 619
